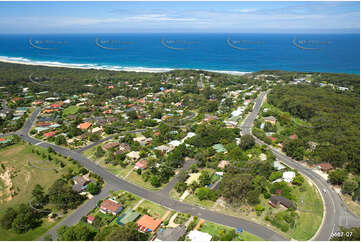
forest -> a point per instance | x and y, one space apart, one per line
334 122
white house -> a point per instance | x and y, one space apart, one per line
196 235
288 176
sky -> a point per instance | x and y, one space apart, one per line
181 17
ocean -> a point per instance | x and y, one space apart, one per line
232 53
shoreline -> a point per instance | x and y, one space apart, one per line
25 61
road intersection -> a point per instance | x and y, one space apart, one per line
336 212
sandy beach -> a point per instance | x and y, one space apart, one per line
24 61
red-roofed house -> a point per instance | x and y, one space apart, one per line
294 136
50 110
325 166
55 105
109 111
272 138
142 164
110 87
110 206
49 134
148 224
84 126
90 219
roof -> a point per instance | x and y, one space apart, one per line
49 134
172 234
196 235
270 118
272 138
110 205
85 125
325 166
149 222
294 136
142 164
80 180
223 164
193 177
133 155
110 145
276 200
90 218
219 148
128 216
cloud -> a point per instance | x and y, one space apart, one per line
247 10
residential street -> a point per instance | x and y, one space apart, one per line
337 213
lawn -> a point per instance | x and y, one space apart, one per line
213 229
311 212
155 210
24 177
70 110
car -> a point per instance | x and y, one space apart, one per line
324 190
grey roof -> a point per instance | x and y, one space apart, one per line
172 234
276 200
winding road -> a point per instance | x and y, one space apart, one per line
337 213
160 197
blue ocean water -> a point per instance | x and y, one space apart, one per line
338 53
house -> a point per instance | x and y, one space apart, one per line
49 134
134 155
272 138
174 143
196 235
192 177
148 224
163 148
219 148
274 201
80 183
124 146
90 219
294 136
278 165
171 234
142 164
110 145
97 130
110 206
325 167
223 164
270 119
84 126
189 135
127 217
288 176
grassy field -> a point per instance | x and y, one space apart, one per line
155 210
70 110
353 206
311 213
213 229
24 177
